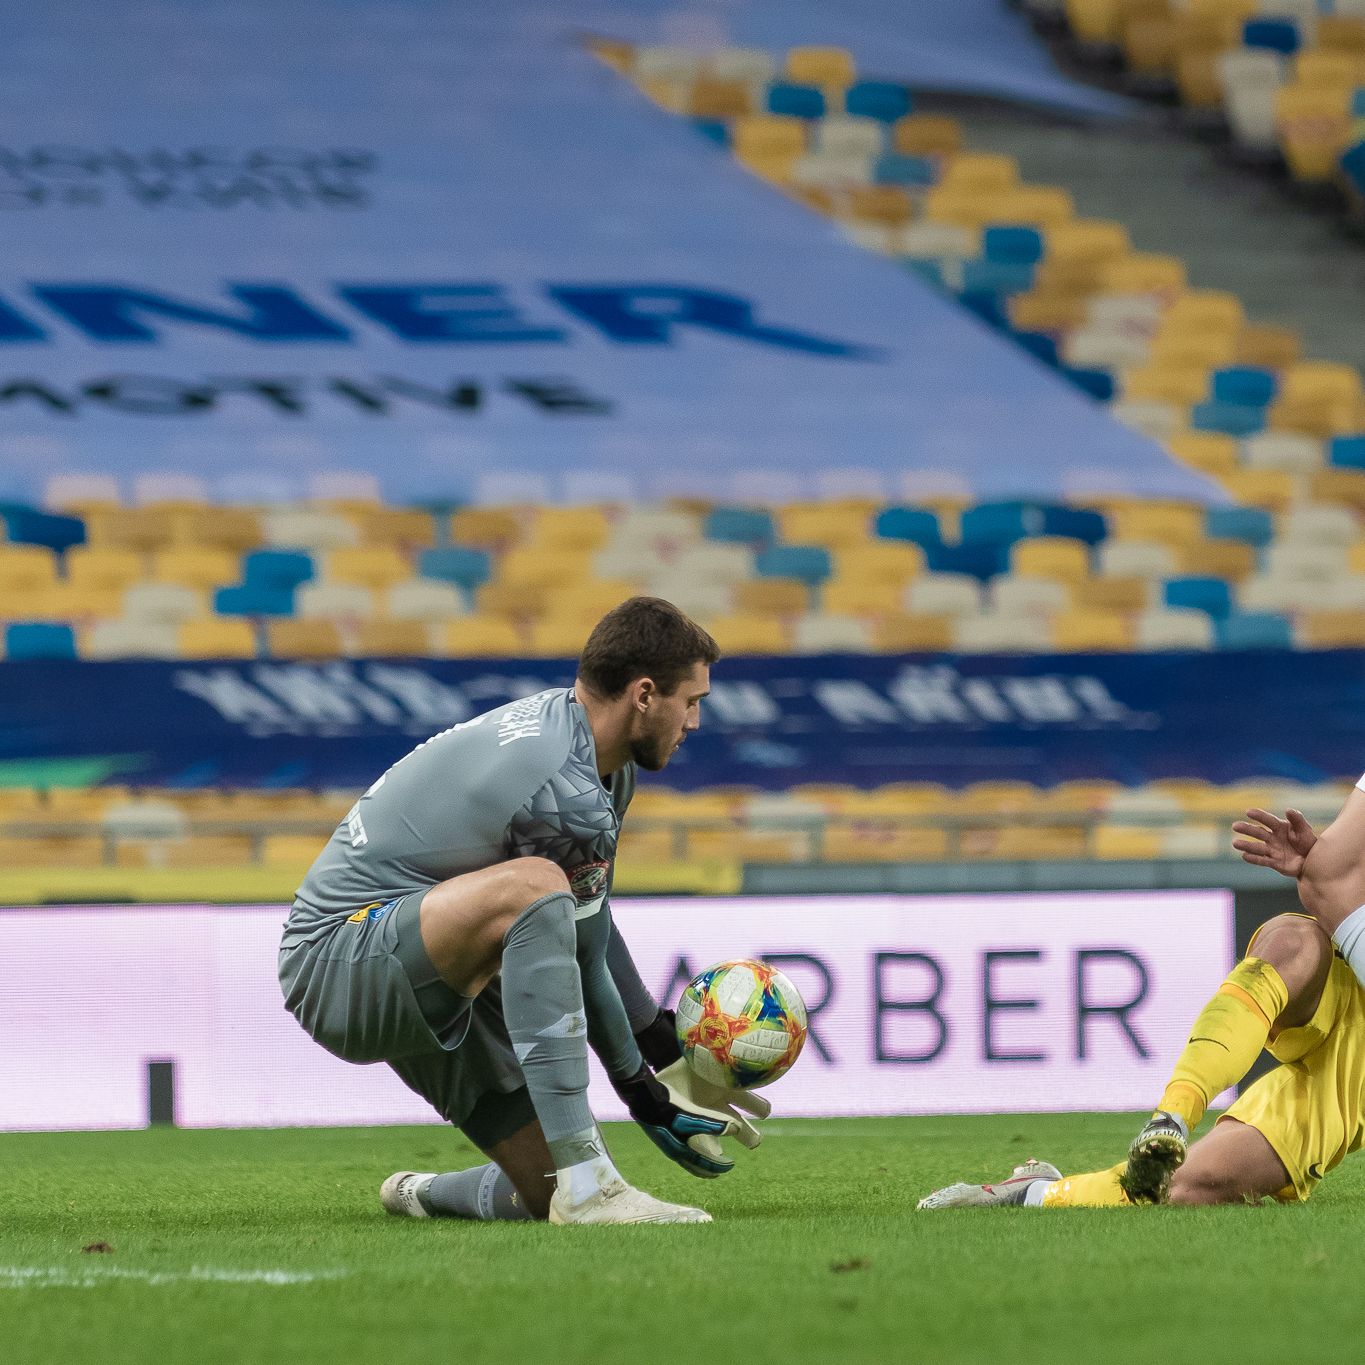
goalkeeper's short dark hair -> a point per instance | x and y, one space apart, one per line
645 637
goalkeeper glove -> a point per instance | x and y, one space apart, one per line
658 1041
689 1091
686 1134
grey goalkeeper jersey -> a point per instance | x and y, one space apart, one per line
519 781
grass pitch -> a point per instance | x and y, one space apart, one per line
262 1246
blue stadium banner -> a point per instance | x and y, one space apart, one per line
769 722
444 245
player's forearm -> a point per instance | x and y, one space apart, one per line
1332 882
609 1032
642 1009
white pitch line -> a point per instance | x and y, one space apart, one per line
59 1277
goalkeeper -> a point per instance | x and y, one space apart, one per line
457 927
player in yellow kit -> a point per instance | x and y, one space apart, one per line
1299 993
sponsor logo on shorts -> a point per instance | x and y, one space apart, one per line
371 912
588 881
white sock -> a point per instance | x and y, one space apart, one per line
1350 941
586 1179
1033 1196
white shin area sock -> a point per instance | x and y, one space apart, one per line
1350 941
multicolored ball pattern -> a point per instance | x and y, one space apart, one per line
741 1024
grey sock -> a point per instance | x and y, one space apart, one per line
483 1193
542 1004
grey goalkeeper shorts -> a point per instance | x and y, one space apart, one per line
366 990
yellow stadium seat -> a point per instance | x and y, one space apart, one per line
408 528
1143 273
221 528
195 567
1166 523
1329 68
993 171
26 569
1205 310
968 208
1042 206
556 636
136 528
290 637
1314 125
1197 76
217 637
766 137
1067 561
1230 559
804 523
477 637
1341 33
1077 798
1202 350
368 566
750 634
290 850
1028 843
1320 381
668 92
548 569
55 851
1091 240
1150 43
484 528
392 639
1081 631
1272 488
1125 843
196 850
885 561
751 845
886 204
110 568
1274 348
570 528
771 596
1000 797
589 601
1041 310
76 602
1111 594
861 597
512 601
1209 451
1331 630
926 135
1094 21
1339 485
907 633
881 841
710 98
1166 382
825 66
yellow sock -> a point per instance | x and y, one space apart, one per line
1226 1038
1094 1190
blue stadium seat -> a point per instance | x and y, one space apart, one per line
254 599
28 526
988 305
456 564
1347 452
1017 245
1003 523
917 524
997 277
1277 35
1358 102
929 270
1097 383
1245 384
713 130
1041 345
1253 630
1232 419
796 101
276 568
1254 525
980 561
810 563
740 525
39 640
1210 595
1353 163
899 168
885 101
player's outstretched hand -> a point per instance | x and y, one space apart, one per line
690 1091
687 1134
1269 841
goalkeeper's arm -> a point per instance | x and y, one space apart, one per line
651 1023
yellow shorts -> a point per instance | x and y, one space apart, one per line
1311 1108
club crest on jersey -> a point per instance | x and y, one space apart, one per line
588 881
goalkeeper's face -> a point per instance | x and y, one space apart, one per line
663 720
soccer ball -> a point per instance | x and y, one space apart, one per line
741 1024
